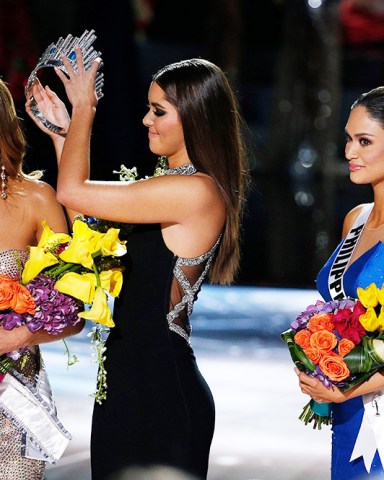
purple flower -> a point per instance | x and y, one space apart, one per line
10 320
16 354
54 310
320 376
329 307
334 305
320 307
303 318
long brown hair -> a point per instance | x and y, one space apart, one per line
12 139
213 131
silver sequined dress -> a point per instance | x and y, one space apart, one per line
13 465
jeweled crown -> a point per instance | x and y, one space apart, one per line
52 58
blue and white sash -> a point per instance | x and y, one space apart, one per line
341 261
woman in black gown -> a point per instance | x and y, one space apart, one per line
186 227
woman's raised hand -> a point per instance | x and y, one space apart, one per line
49 105
80 84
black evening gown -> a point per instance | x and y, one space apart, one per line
159 409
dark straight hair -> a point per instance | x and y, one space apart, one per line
213 132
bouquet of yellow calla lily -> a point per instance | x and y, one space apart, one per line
74 262
84 268
87 275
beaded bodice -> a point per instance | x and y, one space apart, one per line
13 462
11 262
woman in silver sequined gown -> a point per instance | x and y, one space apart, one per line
12 464
186 225
25 202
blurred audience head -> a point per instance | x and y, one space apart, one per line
155 472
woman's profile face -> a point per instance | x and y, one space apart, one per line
165 132
364 148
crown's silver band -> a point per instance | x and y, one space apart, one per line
52 58
47 124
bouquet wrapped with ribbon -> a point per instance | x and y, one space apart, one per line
340 342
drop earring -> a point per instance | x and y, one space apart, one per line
3 178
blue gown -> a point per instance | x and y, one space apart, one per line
347 416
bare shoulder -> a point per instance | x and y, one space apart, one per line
200 214
351 217
39 191
201 188
38 186
192 194
43 205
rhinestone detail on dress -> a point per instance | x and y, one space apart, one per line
189 290
187 169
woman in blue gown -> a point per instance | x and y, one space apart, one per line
358 261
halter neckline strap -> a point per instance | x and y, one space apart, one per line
187 169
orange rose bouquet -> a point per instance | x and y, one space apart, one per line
340 342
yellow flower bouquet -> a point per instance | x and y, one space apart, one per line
77 264
84 266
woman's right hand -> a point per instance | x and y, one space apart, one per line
80 84
49 105
317 391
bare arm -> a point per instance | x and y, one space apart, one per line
170 200
42 202
50 105
19 337
318 392
160 200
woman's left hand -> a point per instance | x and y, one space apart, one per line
11 340
49 105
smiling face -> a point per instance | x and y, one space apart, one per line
165 132
364 147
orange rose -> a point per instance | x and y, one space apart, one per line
321 321
345 346
313 354
6 291
302 338
334 367
324 341
22 300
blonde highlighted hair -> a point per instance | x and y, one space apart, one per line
13 144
